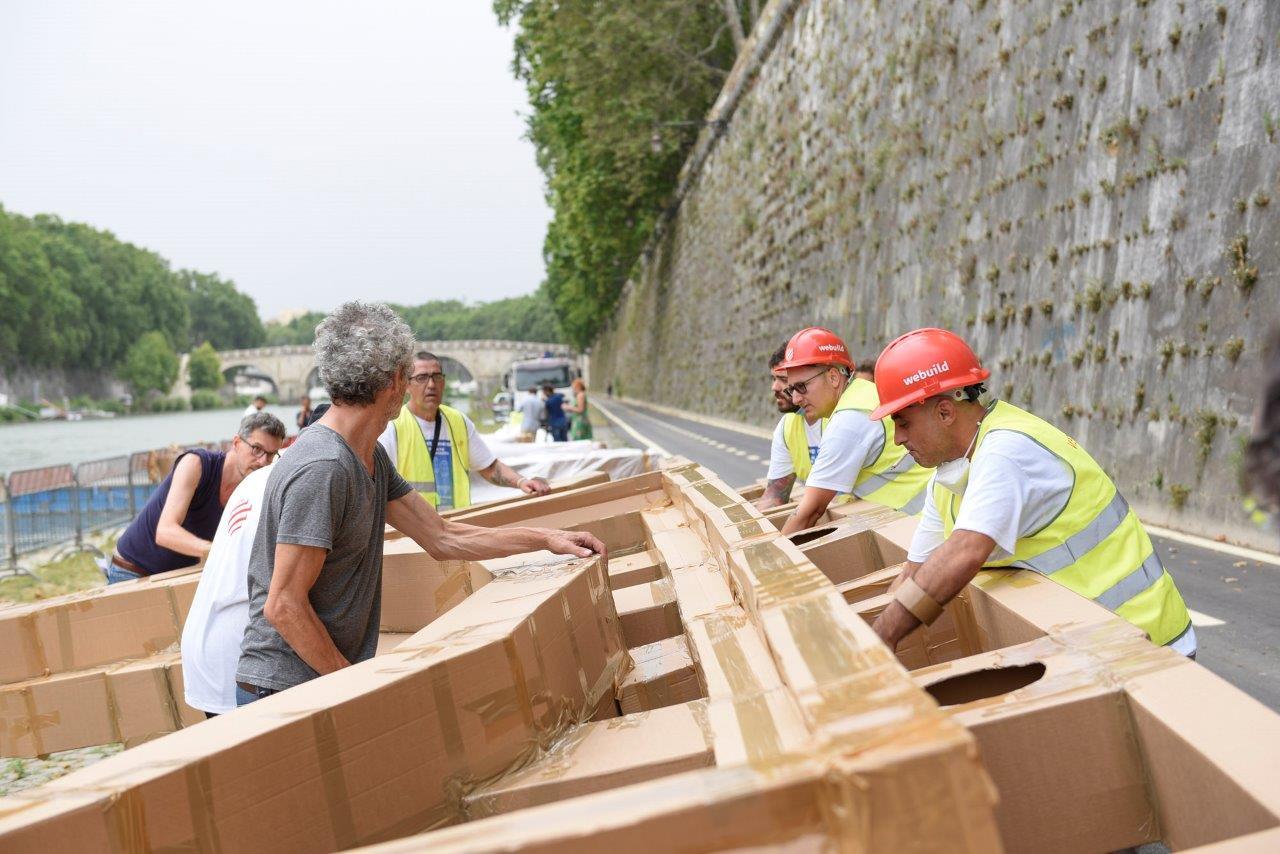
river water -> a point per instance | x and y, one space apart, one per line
47 443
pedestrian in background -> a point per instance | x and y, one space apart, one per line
557 421
532 412
579 422
304 414
259 403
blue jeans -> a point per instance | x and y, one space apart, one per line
116 574
244 698
559 431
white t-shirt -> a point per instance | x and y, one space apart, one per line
1015 488
851 442
220 610
780 464
250 410
478 454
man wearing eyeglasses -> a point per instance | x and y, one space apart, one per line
435 447
795 444
175 529
857 455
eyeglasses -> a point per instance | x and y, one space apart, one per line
259 452
802 386
423 379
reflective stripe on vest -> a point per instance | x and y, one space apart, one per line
1095 546
894 479
796 439
413 457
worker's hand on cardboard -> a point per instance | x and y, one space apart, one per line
577 543
534 486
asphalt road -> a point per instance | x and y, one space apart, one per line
1236 601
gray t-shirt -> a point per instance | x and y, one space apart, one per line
532 410
320 494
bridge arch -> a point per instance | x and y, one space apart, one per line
292 368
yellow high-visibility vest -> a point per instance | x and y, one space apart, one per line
413 457
894 479
796 439
1096 546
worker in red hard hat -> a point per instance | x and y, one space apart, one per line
1009 490
857 454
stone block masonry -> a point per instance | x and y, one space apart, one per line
1087 190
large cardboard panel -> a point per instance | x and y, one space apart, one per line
1212 754
372 752
604 755
731 655
566 508
662 674
1015 606
1061 748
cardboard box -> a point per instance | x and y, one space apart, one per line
375 751
662 674
95 627
648 612
417 588
604 755
638 568
849 551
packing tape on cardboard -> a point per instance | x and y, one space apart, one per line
459 582
35 721
774 576
32 649
337 797
204 823
731 658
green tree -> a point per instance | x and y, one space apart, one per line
618 93
204 370
220 314
151 365
300 330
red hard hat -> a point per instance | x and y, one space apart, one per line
816 346
921 364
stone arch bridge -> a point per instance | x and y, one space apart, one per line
292 368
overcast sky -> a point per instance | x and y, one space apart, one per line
310 151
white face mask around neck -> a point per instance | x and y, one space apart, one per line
953 475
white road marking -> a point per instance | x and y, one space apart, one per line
1205 543
1202 620
738 452
755 458
631 431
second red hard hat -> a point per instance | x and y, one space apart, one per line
816 346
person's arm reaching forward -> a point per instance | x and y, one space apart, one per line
500 474
289 610
444 540
947 570
182 488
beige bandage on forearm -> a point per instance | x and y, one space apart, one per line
921 605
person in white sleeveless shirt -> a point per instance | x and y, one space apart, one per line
215 626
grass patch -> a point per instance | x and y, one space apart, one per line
65 575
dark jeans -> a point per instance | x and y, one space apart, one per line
559 431
244 698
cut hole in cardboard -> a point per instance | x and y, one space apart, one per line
802 537
983 684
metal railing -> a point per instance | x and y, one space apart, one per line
48 506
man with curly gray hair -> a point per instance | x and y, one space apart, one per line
315 570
